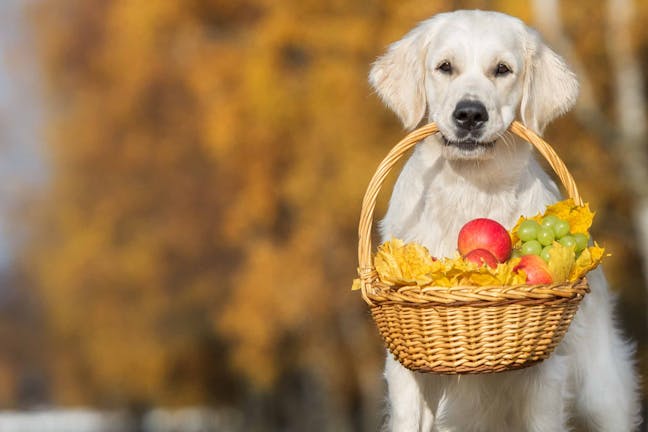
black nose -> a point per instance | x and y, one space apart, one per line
470 115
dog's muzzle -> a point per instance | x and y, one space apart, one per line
469 117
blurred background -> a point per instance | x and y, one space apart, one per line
180 186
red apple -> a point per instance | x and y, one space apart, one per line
486 234
481 257
536 269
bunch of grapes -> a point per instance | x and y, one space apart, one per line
538 238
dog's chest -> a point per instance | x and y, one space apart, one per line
445 213
431 203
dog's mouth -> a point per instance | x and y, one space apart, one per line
468 144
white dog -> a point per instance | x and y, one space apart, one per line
472 73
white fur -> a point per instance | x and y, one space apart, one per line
590 377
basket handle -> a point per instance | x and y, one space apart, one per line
366 270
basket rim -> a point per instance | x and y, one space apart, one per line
471 295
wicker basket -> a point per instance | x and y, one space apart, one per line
466 329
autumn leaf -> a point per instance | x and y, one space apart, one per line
561 262
398 263
588 260
401 264
580 218
507 274
357 285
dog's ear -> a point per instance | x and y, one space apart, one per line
399 76
550 87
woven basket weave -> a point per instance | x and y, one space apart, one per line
466 329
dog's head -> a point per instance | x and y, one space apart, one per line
472 72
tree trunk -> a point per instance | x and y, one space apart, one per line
630 113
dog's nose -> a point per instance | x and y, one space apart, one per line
470 115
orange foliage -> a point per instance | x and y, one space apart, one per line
209 159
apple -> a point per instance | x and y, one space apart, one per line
536 269
481 257
483 233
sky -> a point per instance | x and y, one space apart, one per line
22 167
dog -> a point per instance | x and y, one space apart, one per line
473 73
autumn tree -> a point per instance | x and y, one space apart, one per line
197 241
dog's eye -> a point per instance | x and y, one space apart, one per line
445 67
502 69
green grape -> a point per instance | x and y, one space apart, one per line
545 236
549 221
515 253
532 247
545 253
568 241
581 241
561 228
528 230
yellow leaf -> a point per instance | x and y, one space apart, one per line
479 278
561 209
579 217
356 285
462 272
508 276
588 260
403 264
561 262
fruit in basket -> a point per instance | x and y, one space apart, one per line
581 241
568 257
546 236
528 230
481 257
561 228
549 221
409 265
483 233
532 247
568 241
535 268
549 228
546 253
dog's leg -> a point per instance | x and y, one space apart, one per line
433 388
605 387
405 398
427 418
410 395
544 409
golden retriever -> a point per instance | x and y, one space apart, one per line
473 73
